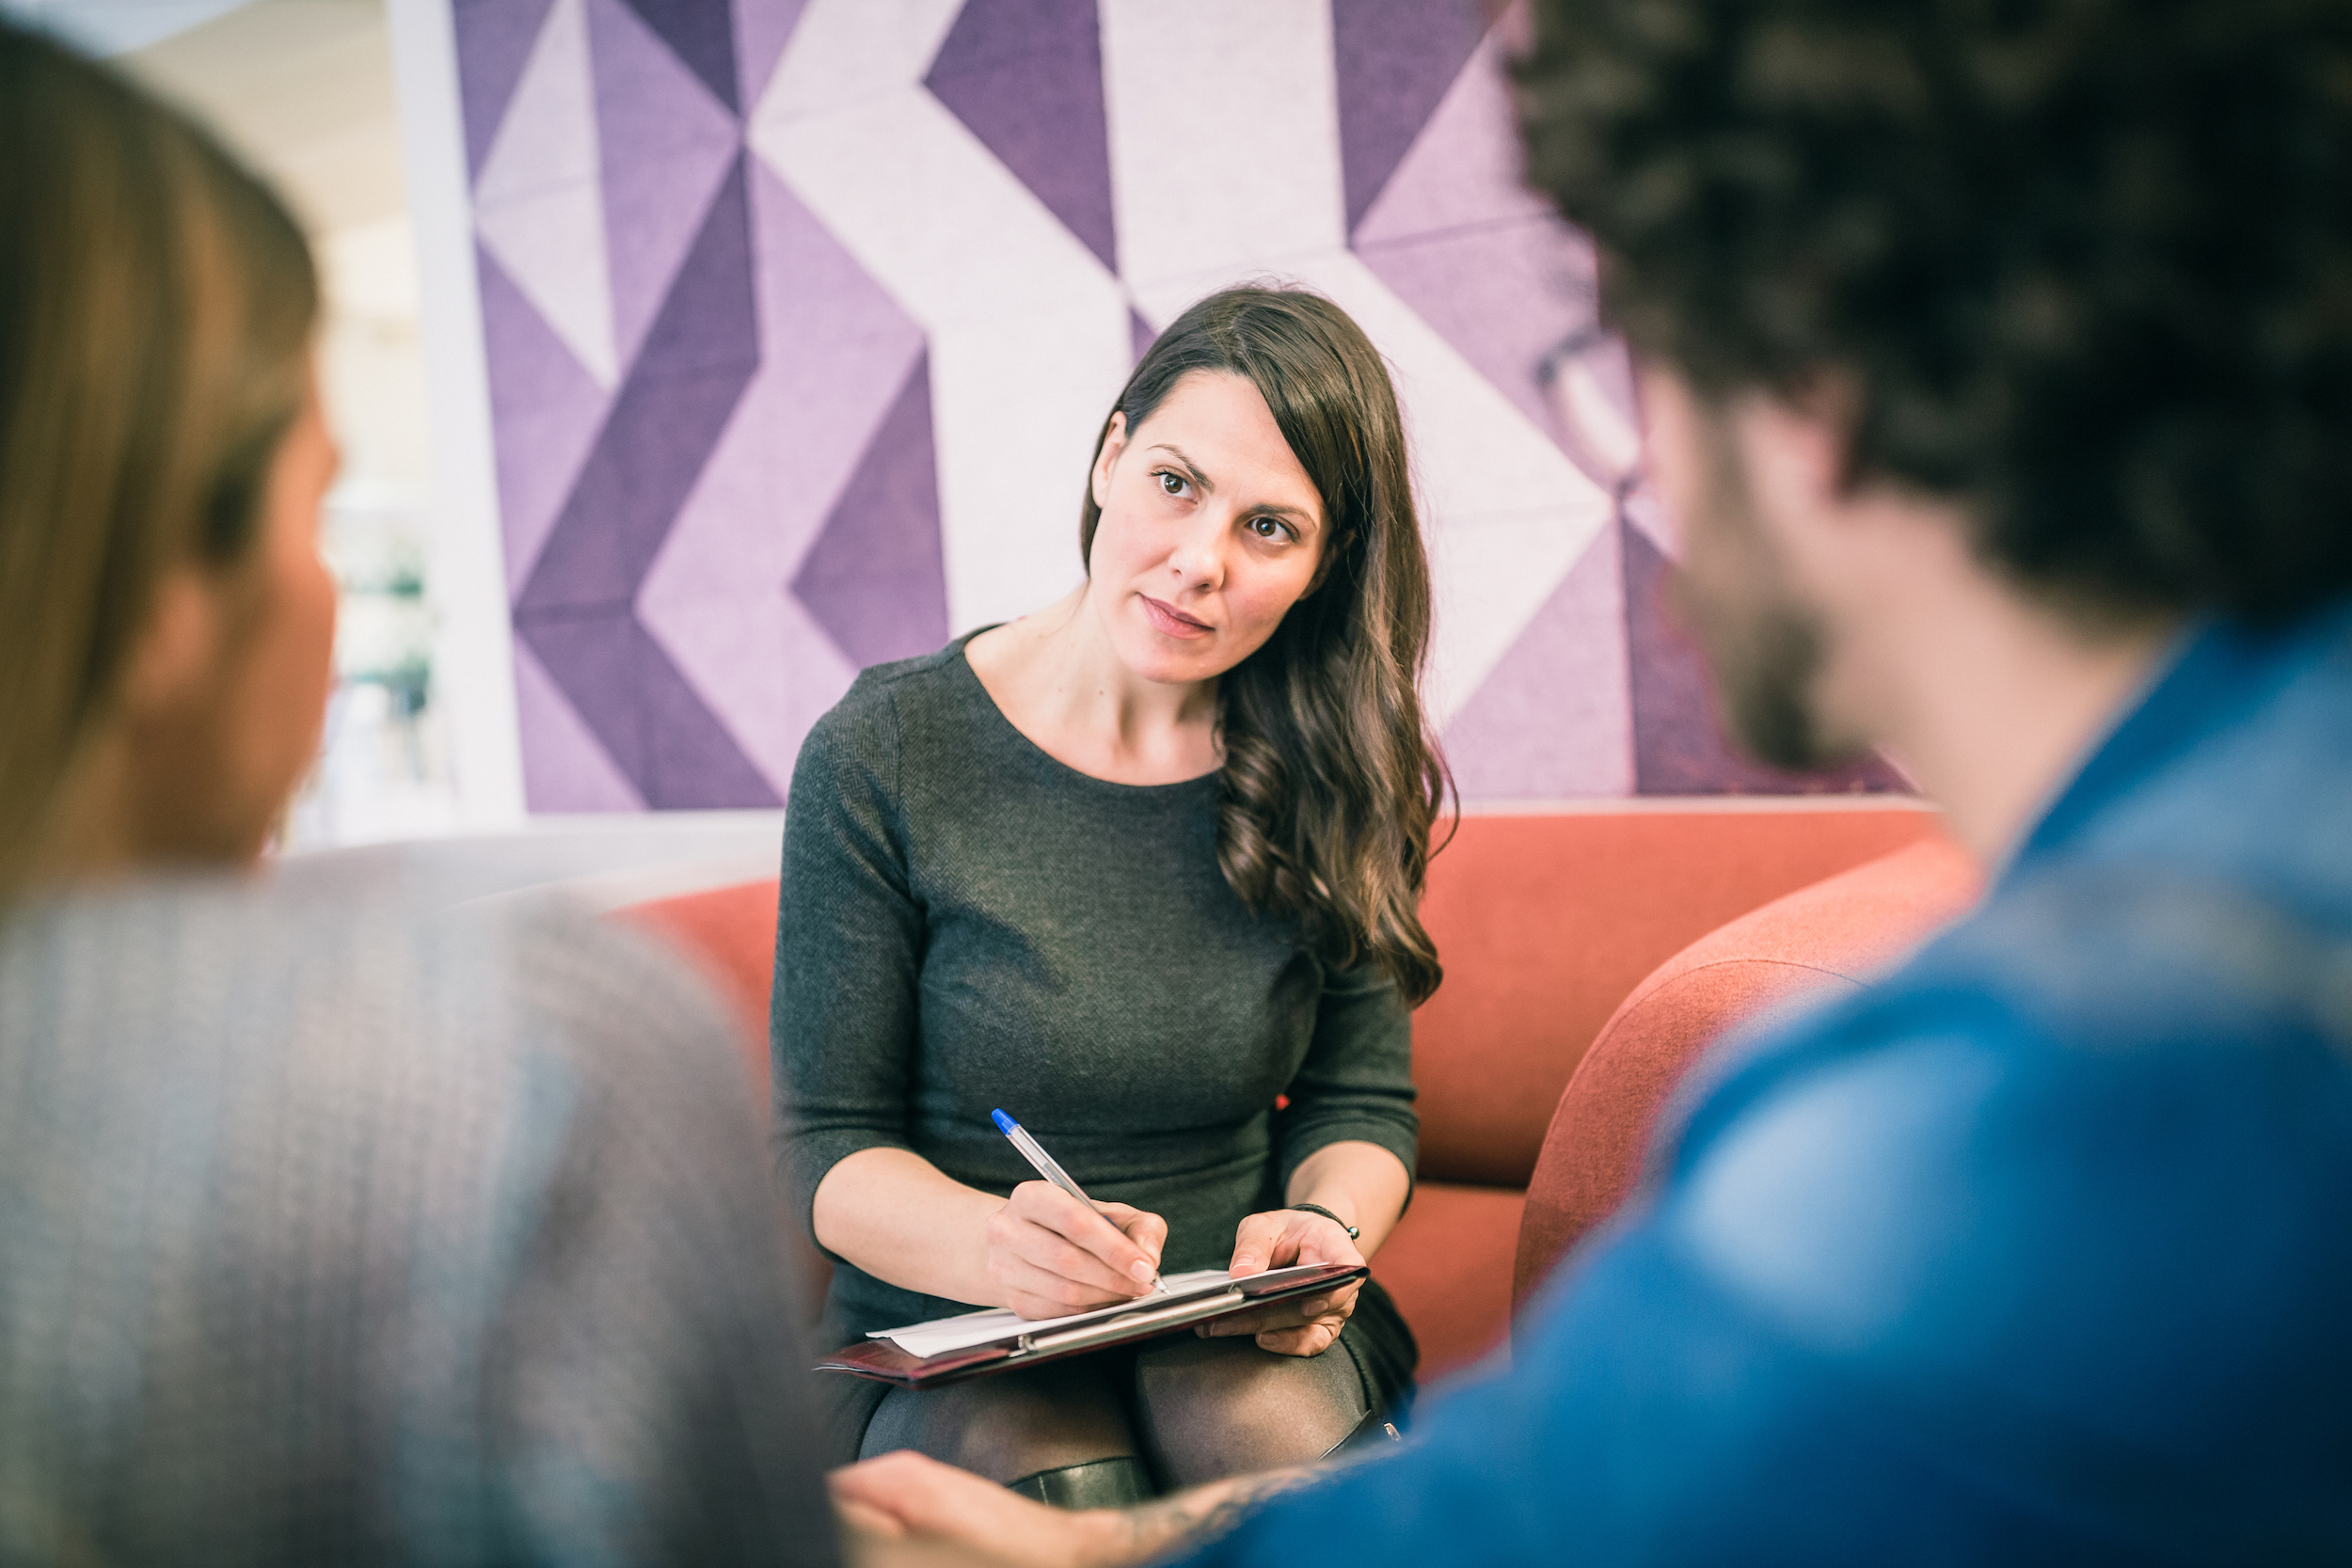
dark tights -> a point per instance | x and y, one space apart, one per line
1120 1425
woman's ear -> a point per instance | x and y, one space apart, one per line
175 651
1114 442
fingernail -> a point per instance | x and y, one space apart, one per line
1315 1309
1141 1270
1243 1260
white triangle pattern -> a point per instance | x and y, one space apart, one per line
539 207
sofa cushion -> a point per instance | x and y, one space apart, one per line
729 934
1831 935
1545 922
1448 1265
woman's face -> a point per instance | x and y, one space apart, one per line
1210 530
289 667
217 763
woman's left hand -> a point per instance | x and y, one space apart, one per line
1305 1326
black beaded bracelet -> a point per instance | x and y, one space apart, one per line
1319 1209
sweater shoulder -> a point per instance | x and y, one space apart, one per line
892 707
391 1008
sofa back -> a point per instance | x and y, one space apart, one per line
1546 919
1543 920
1831 937
729 934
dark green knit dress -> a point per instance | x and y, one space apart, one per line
968 922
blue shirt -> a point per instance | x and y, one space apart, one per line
2039 1251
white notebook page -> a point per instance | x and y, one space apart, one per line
998 1323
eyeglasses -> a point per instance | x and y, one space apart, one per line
1588 385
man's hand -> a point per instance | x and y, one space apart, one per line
904 1497
1048 1253
1307 1325
904 1504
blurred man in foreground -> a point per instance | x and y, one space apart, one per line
1997 361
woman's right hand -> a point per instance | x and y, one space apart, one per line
1048 1253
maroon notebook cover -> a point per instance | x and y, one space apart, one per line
881 1359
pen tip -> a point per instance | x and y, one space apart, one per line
1004 1123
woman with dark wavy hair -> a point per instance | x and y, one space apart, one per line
1142 869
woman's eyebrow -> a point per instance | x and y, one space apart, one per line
1192 469
1204 483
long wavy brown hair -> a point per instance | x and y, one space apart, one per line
1331 783
156 306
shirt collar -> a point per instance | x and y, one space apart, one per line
2213 671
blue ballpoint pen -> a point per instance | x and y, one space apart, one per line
1035 1153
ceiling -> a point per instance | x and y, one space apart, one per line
302 89
113 26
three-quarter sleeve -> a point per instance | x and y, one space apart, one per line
1357 1083
842 1018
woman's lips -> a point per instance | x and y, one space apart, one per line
1170 622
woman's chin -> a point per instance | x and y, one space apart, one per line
1152 655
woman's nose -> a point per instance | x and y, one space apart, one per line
1199 557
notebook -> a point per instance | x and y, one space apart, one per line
973 1344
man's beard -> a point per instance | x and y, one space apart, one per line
1764 647
1764 688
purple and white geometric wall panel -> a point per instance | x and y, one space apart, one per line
802 317
1029 329
1395 60
666 141
1026 77
835 353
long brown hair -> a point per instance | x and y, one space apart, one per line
156 306
1331 783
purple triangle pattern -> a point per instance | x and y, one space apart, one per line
1552 722
699 355
1395 60
762 28
645 714
494 42
1141 336
564 768
875 578
1026 76
545 411
1498 295
665 145
576 609
1680 747
702 34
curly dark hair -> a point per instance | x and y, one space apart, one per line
1331 782
2087 262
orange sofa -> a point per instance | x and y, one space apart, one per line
1558 929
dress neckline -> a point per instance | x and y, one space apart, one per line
960 658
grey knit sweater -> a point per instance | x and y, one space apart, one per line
968 922
329 1234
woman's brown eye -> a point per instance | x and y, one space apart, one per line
1172 483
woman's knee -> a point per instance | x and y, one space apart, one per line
1011 1427
1211 1408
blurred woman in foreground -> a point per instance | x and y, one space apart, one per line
325 1233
